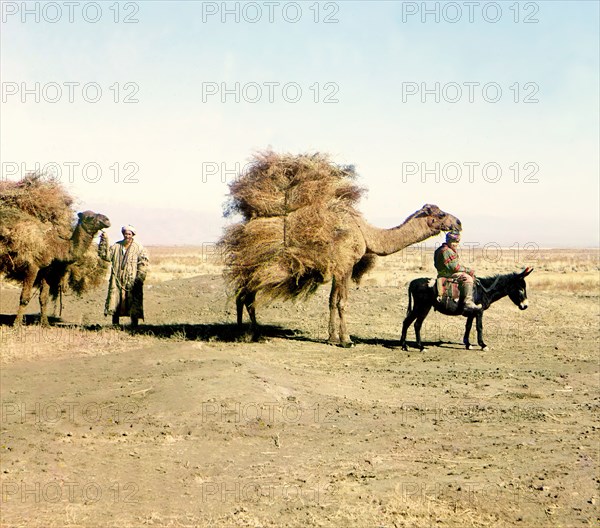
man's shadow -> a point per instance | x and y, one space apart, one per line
223 332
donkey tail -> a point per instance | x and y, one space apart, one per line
410 296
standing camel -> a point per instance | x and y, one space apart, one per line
51 262
354 254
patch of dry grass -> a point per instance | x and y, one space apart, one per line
169 263
570 270
35 342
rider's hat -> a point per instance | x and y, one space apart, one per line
453 236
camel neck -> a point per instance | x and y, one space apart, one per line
387 241
79 242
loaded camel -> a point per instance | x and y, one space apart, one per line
300 229
48 265
353 255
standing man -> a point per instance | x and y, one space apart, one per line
129 265
447 263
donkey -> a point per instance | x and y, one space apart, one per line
487 291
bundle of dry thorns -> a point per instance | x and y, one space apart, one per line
40 197
294 208
36 218
279 184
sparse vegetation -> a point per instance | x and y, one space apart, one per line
367 437
571 270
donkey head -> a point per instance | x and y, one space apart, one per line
518 289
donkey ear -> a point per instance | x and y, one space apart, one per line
526 271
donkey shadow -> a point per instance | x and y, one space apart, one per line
214 332
396 344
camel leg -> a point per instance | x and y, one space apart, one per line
249 302
345 340
239 305
334 336
247 298
26 293
44 294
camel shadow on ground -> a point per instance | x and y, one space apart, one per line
28 319
216 332
223 332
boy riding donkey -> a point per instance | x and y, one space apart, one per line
447 263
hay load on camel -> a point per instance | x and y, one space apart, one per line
294 208
41 246
300 228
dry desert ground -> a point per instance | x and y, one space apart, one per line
188 422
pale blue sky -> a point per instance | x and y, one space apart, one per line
366 56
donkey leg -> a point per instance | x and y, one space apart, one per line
421 315
405 326
418 324
468 326
26 293
479 326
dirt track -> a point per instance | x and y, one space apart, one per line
187 424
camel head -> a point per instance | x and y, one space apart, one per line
438 220
92 222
